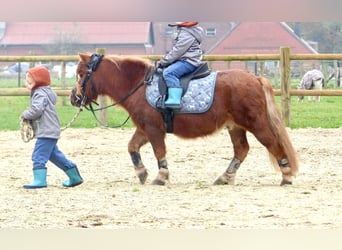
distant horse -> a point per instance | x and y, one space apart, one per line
313 79
242 102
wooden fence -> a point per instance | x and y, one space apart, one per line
284 57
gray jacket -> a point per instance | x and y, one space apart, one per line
187 47
43 114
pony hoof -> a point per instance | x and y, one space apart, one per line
163 176
220 181
285 182
142 174
158 182
225 179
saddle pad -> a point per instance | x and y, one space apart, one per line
197 99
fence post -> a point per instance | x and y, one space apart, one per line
276 74
102 99
285 85
337 74
63 80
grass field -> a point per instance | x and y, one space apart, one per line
12 107
325 114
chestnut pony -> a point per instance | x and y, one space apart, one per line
242 102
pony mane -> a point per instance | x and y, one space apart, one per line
119 60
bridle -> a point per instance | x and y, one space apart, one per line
95 60
93 64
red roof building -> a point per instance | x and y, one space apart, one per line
23 38
259 38
139 38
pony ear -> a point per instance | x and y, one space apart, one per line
84 57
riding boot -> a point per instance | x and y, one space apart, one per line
39 179
174 98
74 178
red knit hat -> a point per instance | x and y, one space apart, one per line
184 24
40 75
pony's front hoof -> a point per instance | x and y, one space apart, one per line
163 176
225 179
158 182
142 174
285 182
220 181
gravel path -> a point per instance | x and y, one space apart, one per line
111 196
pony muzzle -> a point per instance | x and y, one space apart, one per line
77 100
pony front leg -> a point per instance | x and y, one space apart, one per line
157 139
163 173
137 141
139 167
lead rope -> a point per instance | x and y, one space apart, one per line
27 132
73 119
26 129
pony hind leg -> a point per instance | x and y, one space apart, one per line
278 152
274 137
241 148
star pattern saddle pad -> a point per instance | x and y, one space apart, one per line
197 99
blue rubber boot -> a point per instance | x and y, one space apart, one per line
39 179
174 98
74 178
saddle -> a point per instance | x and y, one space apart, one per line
168 114
202 70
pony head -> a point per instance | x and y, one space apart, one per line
85 92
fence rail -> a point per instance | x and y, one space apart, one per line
284 57
277 92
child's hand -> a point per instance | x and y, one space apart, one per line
26 130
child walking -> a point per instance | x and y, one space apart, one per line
46 126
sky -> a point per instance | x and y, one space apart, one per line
162 10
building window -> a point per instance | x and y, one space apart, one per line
211 32
169 32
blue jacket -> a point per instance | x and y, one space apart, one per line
43 114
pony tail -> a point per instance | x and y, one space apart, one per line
278 128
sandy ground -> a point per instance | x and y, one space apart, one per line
111 196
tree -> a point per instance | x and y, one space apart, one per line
328 35
65 42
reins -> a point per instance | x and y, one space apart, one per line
27 132
92 66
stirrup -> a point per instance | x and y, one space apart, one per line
172 106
